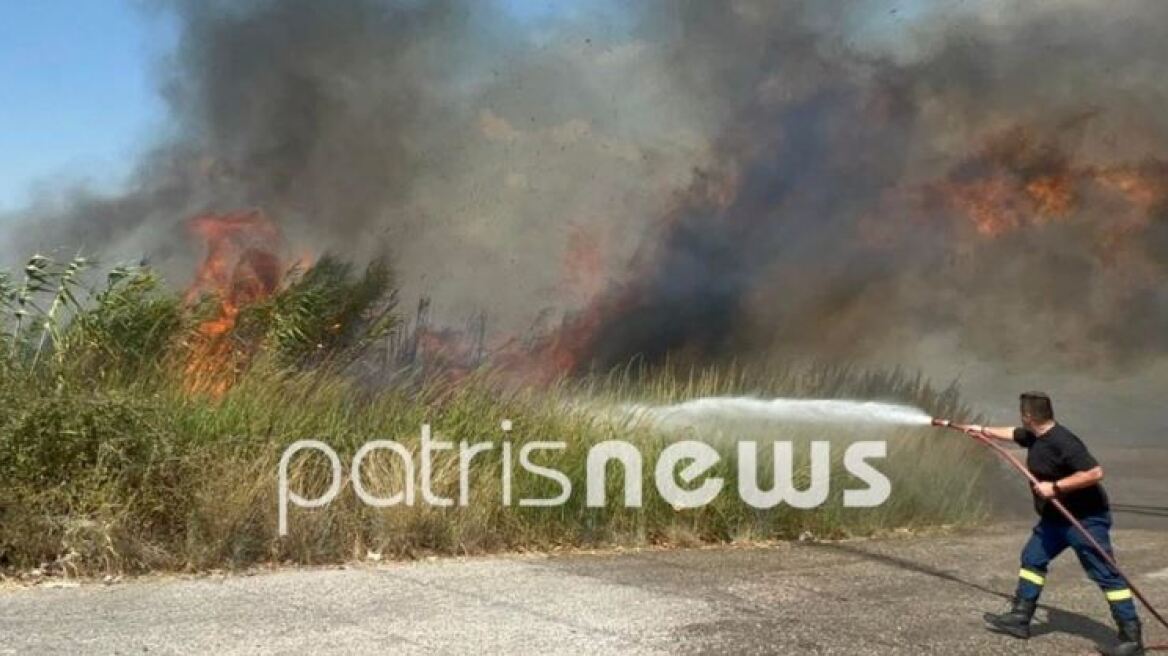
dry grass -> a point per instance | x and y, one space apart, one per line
110 465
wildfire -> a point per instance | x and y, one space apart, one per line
1145 186
241 267
1014 180
993 205
583 264
1052 195
1017 180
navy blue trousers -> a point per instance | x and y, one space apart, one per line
1051 537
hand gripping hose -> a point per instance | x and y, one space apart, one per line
1103 553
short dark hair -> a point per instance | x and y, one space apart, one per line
1036 405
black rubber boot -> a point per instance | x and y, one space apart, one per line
1131 642
1016 622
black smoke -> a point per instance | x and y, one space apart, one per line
823 226
770 178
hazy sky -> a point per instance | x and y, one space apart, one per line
78 93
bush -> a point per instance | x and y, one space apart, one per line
112 463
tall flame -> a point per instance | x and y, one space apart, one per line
241 267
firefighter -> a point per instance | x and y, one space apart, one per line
1067 471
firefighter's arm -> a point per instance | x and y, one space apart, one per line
1075 481
997 432
1081 479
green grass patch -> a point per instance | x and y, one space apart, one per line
111 464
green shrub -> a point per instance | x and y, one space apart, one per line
110 463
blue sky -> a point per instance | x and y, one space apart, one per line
77 95
77 89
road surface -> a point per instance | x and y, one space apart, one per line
899 595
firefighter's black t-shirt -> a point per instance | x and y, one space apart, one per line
1054 456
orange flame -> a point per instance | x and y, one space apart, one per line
1018 180
240 268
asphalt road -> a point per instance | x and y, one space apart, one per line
900 595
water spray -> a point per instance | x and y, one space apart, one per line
1017 464
799 411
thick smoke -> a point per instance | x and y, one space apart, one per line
476 150
999 181
747 178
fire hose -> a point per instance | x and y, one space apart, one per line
1103 553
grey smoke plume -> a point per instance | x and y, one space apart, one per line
711 179
472 149
971 183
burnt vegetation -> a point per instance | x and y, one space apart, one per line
119 456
